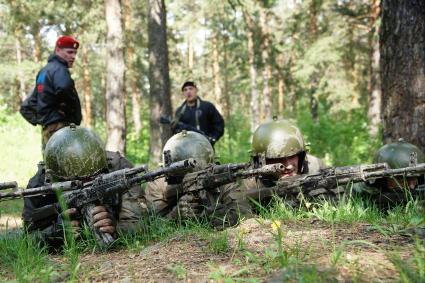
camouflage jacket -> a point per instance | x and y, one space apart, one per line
214 205
42 214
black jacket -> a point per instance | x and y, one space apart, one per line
57 99
203 116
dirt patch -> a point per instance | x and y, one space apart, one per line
349 251
10 222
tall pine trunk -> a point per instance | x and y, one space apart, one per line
374 84
130 75
402 48
267 73
314 104
35 31
21 76
255 115
115 95
216 73
87 110
159 80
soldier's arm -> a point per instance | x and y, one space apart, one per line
217 123
61 81
231 207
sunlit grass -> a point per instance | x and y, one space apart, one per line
20 145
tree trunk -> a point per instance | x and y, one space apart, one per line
190 53
314 104
21 75
130 72
115 96
402 63
226 95
216 73
35 31
267 73
255 117
374 84
281 95
86 89
159 80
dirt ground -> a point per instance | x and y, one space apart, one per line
343 252
358 251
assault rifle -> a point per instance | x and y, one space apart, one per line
214 176
8 185
84 196
330 178
183 126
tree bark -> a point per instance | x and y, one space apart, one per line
88 122
216 73
115 96
314 104
159 80
130 71
226 95
267 73
255 117
21 75
402 63
374 84
35 31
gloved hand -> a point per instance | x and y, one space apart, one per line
103 220
187 207
74 223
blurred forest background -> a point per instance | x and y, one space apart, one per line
316 62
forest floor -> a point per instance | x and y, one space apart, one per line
311 251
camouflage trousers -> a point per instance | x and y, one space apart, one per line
49 130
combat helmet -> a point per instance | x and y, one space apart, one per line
399 154
74 152
188 144
277 139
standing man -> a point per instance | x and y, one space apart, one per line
199 114
54 102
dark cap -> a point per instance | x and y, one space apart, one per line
188 83
67 42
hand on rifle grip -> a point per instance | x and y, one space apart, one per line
103 220
75 224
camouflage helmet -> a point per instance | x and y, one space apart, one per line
74 152
188 144
277 139
399 154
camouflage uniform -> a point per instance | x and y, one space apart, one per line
273 141
397 155
189 206
42 214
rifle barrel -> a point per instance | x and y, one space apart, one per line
8 185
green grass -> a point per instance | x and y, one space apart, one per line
22 256
21 143
23 260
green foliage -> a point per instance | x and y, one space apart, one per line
218 242
412 269
234 146
341 139
22 255
22 143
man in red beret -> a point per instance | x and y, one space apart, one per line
54 102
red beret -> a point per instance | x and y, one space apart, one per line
67 42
